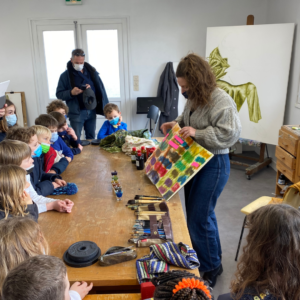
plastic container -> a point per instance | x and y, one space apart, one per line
133 155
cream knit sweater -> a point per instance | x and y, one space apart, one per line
217 125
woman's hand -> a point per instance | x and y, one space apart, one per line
164 127
187 131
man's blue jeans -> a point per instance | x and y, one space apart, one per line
201 195
86 119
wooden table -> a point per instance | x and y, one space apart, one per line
98 217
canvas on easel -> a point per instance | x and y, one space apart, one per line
175 162
18 99
252 65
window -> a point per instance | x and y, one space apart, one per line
58 47
104 56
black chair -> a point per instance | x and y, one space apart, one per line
153 114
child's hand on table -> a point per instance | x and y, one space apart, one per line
61 205
69 159
82 288
80 147
60 182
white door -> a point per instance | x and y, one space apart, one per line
53 46
105 44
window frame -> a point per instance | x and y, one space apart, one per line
39 65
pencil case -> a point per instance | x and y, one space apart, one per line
116 255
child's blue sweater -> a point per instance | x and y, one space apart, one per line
107 129
61 145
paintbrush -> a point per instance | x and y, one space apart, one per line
144 197
150 213
131 202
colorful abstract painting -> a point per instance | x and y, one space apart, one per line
175 162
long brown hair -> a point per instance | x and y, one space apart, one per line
12 185
200 78
271 258
20 238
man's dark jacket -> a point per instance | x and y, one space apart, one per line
66 83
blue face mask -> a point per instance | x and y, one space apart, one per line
114 121
185 95
66 117
37 152
54 137
11 120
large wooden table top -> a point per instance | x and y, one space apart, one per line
98 217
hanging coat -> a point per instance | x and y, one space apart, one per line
168 90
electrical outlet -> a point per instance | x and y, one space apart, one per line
136 83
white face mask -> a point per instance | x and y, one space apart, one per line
78 67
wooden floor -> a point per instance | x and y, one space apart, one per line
98 217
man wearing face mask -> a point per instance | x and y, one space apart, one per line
80 76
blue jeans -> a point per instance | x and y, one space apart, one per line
86 119
201 195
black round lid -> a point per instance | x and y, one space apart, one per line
95 142
82 254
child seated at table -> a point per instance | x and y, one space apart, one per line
14 200
54 161
66 133
43 183
19 153
269 267
56 142
21 239
113 123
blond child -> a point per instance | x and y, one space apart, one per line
43 183
14 199
19 153
22 239
51 156
56 142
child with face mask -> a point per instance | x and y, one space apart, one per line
14 200
54 161
113 123
66 133
11 114
43 183
19 153
22 239
56 142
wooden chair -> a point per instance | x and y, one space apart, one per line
291 197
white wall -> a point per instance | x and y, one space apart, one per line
287 11
160 31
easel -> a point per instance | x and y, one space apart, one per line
262 162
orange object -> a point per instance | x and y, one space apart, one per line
192 284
